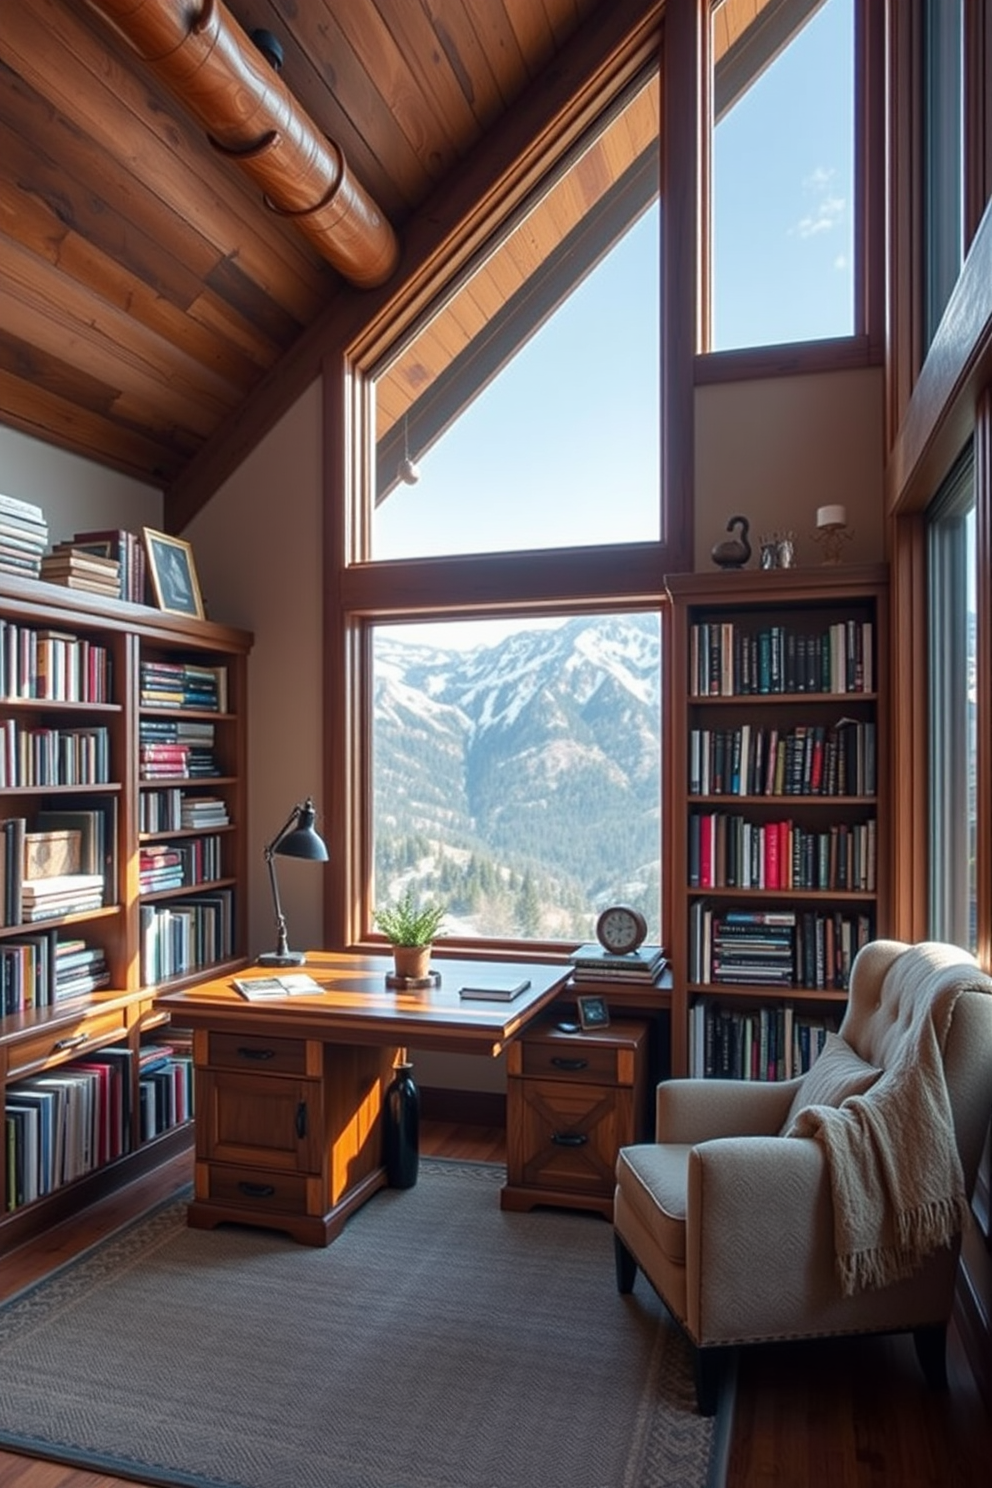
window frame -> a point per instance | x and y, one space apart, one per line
865 347
563 581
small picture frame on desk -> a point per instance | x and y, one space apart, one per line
593 1013
173 574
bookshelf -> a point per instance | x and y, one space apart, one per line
123 751
776 802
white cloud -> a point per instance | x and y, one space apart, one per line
828 208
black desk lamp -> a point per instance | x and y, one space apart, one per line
297 838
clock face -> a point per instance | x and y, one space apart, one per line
621 929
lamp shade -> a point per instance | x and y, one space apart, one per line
303 840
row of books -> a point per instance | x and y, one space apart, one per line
768 1043
165 1088
67 1122
53 665
175 809
181 684
170 748
186 935
176 865
807 760
727 851
814 949
32 757
23 537
73 1120
591 963
725 660
40 970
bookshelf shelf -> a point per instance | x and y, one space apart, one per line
78 983
776 795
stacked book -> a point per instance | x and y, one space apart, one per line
75 568
167 684
160 867
23 537
593 964
61 894
203 811
79 969
744 947
123 548
177 748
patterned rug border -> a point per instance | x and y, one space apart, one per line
167 1218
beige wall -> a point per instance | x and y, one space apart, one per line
775 450
74 494
258 557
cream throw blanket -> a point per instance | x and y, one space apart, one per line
895 1175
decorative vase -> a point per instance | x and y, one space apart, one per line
401 1133
412 962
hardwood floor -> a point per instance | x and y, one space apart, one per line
841 1413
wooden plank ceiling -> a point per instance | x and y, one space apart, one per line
147 288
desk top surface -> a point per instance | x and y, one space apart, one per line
357 1005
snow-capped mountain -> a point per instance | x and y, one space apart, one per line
538 756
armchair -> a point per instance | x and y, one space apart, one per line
740 1228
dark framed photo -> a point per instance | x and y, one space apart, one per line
593 1013
173 574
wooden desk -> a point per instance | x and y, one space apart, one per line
289 1094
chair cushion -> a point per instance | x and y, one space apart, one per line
653 1177
836 1073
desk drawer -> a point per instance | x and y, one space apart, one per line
39 1050
256 1189
258 1052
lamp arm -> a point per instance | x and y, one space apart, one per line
283 832
282 945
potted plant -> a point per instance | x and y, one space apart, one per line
410 929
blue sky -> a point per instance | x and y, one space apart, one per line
562 449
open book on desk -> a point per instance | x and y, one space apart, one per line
262 989
494 989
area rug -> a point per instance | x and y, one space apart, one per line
436 1343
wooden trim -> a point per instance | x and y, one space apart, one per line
977 113
869 136
983 678
903 224
793 359
682 104
910 836
942 409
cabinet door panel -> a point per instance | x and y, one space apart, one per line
275 1123
565 1137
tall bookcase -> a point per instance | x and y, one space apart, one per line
777 788
91 691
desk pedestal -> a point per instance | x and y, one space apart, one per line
289 1131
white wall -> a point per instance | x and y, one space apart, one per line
775 450
75 494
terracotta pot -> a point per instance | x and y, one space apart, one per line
412 962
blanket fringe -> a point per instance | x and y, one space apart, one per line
920 1232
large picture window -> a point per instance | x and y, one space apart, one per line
499 603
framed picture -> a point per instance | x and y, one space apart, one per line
173 574
593 1013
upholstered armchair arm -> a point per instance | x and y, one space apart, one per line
759 1236
693 1111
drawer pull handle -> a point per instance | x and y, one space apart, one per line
257 1190
301 1119
72 1042
569 1139
256 1053
569 1064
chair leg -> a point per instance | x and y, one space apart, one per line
708 1370
626 1266
931 1351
